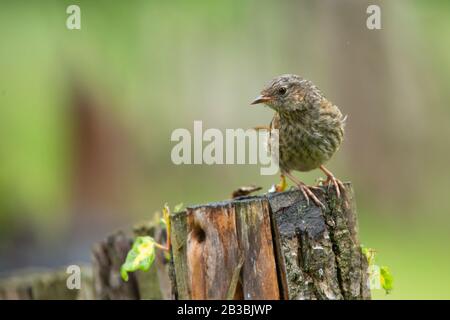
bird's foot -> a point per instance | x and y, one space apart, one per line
332 181
339 187
336 183
282 185
318 188
308 194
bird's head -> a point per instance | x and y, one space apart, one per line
285 93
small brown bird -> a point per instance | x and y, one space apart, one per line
310 129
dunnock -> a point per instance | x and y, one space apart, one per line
310 128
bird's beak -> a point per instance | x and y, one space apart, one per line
261 99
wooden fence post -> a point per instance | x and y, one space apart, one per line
272 246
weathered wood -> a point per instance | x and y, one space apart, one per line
211 251
269 247
351 263
318 252
45 285
108 256
179 274
224 250
154 283
272 246
259 274
163 267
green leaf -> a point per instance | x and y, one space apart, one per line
386 278
140 257
370 255
178 207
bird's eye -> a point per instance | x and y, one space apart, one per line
282 91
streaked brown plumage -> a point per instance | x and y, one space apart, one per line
311 128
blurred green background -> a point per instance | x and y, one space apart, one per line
86 117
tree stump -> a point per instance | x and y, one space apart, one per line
45 285
107 257
273 246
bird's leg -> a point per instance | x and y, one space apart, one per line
338 185
281 186
305 190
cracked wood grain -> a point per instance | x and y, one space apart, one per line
289 250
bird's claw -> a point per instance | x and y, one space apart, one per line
315 188
338 185
308 194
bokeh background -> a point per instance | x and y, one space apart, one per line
86 117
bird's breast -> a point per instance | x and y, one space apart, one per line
304 147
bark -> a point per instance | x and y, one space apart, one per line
270 247
45 285
108 256
318 251
154 283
